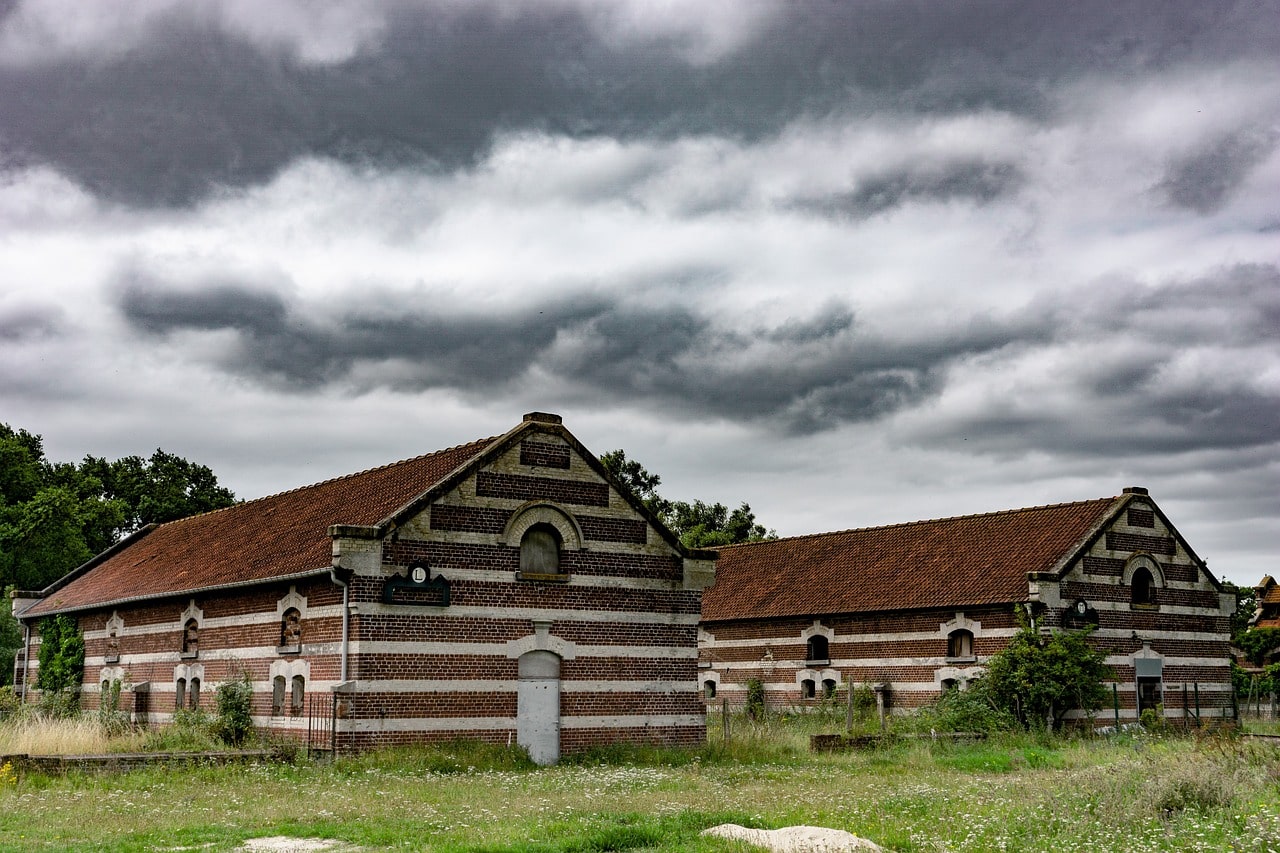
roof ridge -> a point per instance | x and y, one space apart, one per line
295 489
915 523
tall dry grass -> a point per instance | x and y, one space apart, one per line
32 735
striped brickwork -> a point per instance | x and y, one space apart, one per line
1183 634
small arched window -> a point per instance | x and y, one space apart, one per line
1143 589
113 646
709 688
298 696
949 684
960 644
808 689
191 639
818 649
277 696
540 550
828 688
193 694
291 630
180 694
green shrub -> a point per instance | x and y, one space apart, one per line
234 721
969 710
113 721
755 699
9 702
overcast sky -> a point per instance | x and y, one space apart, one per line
854 263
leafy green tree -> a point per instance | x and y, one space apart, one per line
701 525
697 524
642 483
10 638
1039 678
54 516
61 661
163 488
1258 644
1246 604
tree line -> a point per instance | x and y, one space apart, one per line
54 516
698 524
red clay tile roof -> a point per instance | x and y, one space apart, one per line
278 536
950 562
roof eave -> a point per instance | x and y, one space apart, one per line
181 593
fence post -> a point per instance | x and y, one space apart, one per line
1196 686
1115 702
725 712
848 714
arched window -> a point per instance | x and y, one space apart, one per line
709 688
112 653
808 689
190 639
818 649
1143 589
960 644
298 694
277 696
828 688
949 684
540 550
193 694
180 694
291 630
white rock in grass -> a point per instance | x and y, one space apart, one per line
284 844
794 839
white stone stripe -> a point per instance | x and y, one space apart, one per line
1113 660
1127 660
511 686
579 580
445 724
311 652
500 650
491 614
837 663
1127 633
262 617
856 639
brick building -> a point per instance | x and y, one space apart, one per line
503 590
1267 594
920 607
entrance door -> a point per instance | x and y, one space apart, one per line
538 706
1148 693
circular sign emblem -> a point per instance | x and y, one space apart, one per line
419 574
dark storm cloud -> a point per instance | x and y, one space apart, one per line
192 108
972 181
1132 395
801 374
278 346
1204 180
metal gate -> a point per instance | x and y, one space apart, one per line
322 715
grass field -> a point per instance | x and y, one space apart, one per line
1009 793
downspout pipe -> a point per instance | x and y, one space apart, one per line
342 577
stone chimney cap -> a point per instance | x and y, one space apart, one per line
543 418
1136 490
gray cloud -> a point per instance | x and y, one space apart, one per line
1129 398
972 181
276 345
802 375
194 107
1204 180
22 323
